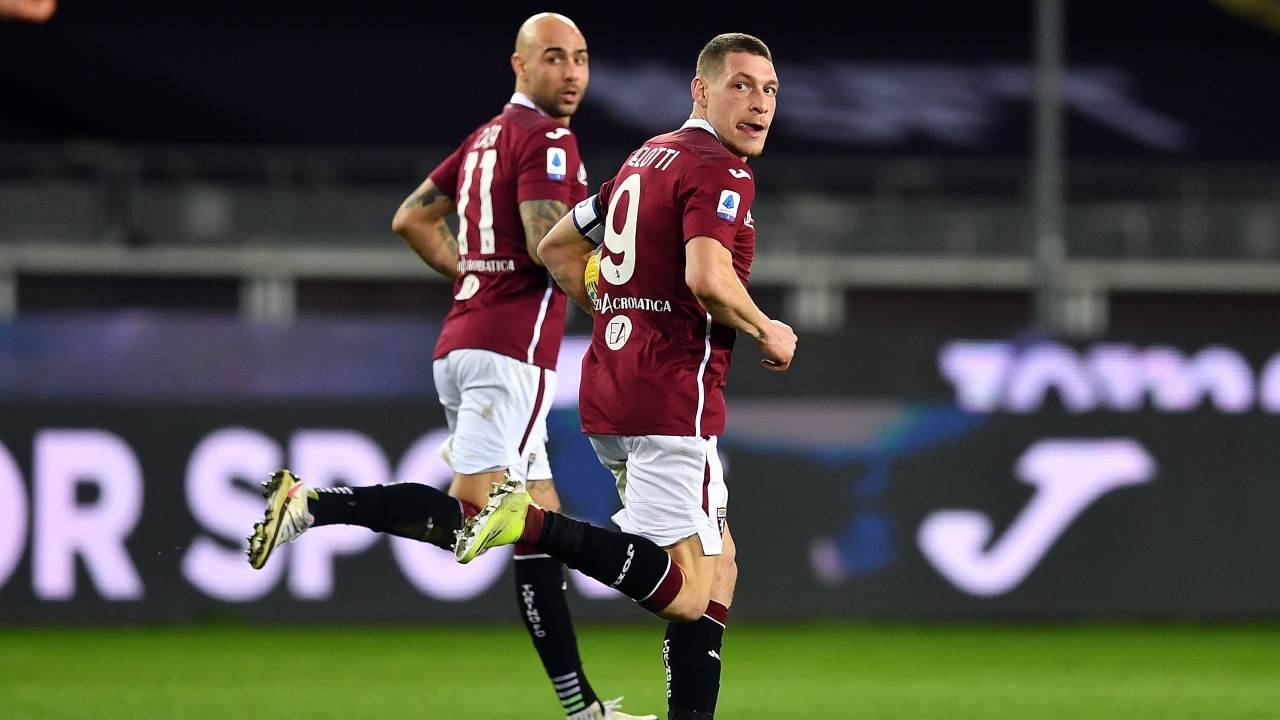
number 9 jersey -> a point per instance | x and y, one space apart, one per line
657 362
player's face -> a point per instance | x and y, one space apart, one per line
557 70
741 102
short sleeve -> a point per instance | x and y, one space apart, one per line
606 192
717 199
549 168
445 176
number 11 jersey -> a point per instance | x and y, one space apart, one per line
503 301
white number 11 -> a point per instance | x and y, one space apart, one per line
487 160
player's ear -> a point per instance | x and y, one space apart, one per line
517 66
698 89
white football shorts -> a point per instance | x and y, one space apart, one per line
496 407
671 487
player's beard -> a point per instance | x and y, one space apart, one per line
551 104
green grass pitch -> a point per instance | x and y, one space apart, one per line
834 670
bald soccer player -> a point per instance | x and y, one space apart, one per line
509 181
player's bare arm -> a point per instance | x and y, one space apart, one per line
538 217
36 11
564 251
710 275
421 222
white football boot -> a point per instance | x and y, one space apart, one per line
285 519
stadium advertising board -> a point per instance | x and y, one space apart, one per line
1028 480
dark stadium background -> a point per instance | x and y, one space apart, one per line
403 74
949 508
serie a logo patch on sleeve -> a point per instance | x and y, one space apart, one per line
557 162
728 207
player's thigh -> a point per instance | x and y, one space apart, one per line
673 488
726 571
673 493
706 577
502 401
699 577
538 481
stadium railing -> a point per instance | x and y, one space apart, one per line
270 217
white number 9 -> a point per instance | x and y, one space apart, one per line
621 243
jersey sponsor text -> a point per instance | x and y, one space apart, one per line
609 304
467 265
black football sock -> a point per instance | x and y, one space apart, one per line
418 512
633 565
691 652
540 596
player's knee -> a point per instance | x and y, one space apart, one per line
686 609
689 605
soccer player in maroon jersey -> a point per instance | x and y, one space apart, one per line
509 181
677 239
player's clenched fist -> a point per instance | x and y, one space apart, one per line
778 346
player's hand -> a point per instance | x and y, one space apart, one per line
778 346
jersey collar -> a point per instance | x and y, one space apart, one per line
520 98
700 123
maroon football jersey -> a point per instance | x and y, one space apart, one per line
657 362
503 301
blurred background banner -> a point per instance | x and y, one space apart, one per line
961 477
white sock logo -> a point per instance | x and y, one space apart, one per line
1069 475
631 555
